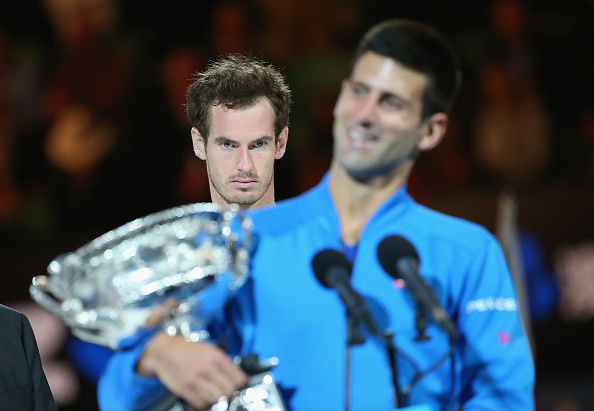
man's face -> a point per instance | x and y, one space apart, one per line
377 118
239 153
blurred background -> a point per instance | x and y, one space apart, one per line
93 134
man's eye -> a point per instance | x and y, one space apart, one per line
394 103
358 89
226 144
260 144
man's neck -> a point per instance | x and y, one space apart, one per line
356 201
224 205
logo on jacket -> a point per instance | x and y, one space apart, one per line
503 337
491 304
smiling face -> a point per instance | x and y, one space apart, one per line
239 152
377 118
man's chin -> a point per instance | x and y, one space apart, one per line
244 200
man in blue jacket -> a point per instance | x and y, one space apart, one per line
393 106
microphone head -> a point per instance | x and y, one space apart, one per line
327 259
393 248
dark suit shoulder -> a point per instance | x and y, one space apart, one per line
23 385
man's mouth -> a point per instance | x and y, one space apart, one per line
243 181
361 138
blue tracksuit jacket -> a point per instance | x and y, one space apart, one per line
283 311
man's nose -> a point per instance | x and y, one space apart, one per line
245 162
365 111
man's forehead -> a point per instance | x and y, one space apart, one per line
262 104
243 125
240 106
387 75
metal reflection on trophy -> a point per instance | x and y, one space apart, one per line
176 268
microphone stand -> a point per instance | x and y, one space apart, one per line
436 364
388 337
354 337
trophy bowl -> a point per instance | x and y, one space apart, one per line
175 268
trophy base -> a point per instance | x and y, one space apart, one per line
261 395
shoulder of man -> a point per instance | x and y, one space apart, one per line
12 315
285 215
457 230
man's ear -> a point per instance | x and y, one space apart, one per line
199 144
281 143
433 130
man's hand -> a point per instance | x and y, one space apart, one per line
199 373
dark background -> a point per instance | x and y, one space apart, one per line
117 73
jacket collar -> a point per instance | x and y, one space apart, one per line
320 207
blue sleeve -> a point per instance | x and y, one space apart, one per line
120 388
89 359
497 368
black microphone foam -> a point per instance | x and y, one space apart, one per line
393 248
399 258
333 270
326 260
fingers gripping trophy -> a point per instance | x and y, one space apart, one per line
175 269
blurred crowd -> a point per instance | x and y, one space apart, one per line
92 92
93 130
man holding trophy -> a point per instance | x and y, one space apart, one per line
239 138
239 111
369 300
106 290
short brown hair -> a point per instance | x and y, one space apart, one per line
421 48
237 82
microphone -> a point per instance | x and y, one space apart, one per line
333 270
399 258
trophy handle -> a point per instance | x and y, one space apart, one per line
39 294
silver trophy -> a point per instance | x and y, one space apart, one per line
175 269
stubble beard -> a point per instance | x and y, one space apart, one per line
366 167
245 199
